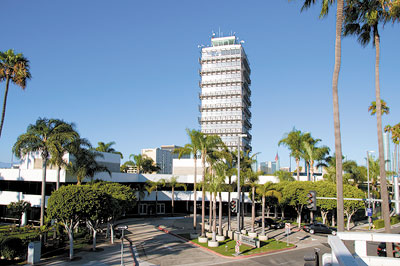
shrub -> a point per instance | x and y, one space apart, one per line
395 219
12 247
379 223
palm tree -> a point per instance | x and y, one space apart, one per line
216 184
293 141
172 183
192 148
284 176
362 19
58 151
252 182
150 187
83 163
207 144
43 136
138 161
313 153
14 68
106 147
266 190
384 108
335 96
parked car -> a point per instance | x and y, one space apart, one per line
381 250
270 223
319 228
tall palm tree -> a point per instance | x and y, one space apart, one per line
14 68
293 141
192 148
207 144
106 147
266 190
57 153
362 19
43 136
216 184
335 97
172 183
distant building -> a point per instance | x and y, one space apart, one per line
268 167
163 157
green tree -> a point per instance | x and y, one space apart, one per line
18 208
68 205
123 199
106 147
293 141
192 148
84 163
43 137
326 189
97 209
384 108
14 68
149 166
126 165
284 176
362 20
252 181
295 193
354 174
266 190
172 183
395 130
352 206
336 118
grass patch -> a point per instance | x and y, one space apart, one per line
227 247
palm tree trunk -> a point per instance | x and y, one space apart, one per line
308 170
229 202
298 168
242 210
214 230
220 215
195 194
382 171
336 118
43 195
203 203
253 208
263 216
210 210
312 170
3 114
58 178
173 199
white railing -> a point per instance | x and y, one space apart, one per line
342 256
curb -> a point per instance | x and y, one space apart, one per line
218 254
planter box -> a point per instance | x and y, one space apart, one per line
202 239
213 244
220 238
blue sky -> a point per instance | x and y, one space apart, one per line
127 71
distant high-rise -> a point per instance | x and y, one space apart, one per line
225 92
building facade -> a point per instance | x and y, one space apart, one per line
163 157
225 92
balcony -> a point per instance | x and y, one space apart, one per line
221 118
220 93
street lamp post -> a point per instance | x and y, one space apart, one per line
238 182
369 195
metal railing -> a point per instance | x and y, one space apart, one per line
342 256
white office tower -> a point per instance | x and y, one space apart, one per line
225 92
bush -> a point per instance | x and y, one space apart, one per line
12 247
379 223
395 219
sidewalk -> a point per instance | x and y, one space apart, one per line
107 254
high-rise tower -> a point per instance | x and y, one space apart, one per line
225 92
